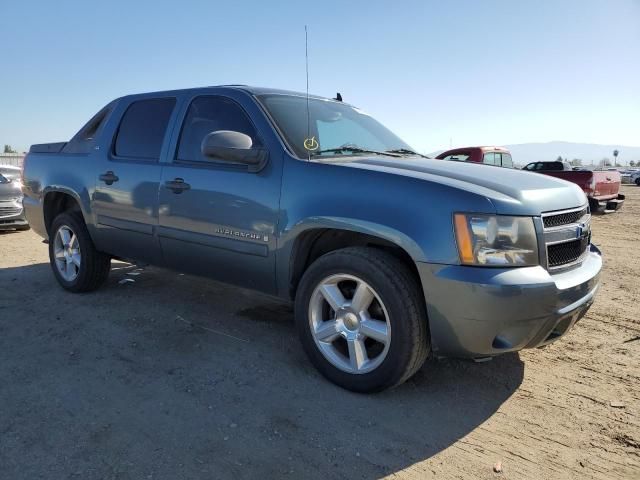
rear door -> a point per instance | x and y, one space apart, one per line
218 219
125 201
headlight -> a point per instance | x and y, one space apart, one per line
496 240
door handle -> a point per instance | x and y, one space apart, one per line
177 185
109 177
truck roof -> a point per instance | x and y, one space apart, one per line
246 88
492 148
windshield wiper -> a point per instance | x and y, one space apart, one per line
355 150
406 151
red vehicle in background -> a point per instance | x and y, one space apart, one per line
602 187
496 156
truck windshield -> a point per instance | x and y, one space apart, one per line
334 128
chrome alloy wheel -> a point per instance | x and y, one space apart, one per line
66 249
349 323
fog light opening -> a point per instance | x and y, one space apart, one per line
501 343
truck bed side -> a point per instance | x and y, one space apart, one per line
47 173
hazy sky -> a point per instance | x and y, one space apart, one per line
435 72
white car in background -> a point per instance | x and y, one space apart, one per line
630 175
11 210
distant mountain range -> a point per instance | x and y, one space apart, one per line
524 153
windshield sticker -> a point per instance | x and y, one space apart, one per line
311 144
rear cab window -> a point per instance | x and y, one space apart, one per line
84 140
142 129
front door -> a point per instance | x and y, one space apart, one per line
218 219
125 201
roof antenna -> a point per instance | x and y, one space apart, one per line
306 60
338 97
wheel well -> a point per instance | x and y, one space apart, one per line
55 203
312 244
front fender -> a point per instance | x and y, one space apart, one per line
413 213
360 226
384 232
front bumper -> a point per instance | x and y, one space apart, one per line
477 312
12 215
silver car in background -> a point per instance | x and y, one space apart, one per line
11 211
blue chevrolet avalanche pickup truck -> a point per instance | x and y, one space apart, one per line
389 256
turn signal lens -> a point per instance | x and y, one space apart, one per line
463 236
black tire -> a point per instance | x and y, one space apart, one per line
399 292
94 267
638 181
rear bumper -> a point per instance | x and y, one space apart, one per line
478 312
609 205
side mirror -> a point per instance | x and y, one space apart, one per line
234 147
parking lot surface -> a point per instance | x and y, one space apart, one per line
166 376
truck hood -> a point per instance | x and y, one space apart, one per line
513 192
10 191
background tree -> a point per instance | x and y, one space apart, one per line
559 159
8 149
605 162
576 162
632 163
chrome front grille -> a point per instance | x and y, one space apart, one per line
560 254
565 218
567 236
9 210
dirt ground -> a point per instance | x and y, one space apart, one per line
171 377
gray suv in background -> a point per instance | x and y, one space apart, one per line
11 212
388 256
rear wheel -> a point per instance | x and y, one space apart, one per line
638 181
361 319
76 263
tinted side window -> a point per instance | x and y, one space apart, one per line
206 115
550 166
143 127
557 166
489 158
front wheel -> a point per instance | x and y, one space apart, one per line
76 263
361 319
638 181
